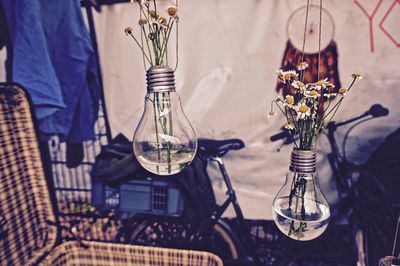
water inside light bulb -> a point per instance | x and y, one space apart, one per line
164 142
178 160
310 226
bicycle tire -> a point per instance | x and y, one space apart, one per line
162 232
370 217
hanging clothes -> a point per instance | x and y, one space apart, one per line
54 60
328 68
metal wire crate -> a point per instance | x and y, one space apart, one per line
73 189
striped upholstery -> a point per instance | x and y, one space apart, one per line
105 254
27 223
25 206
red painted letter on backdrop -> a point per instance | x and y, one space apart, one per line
386 31
370 19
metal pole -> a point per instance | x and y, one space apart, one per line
93 38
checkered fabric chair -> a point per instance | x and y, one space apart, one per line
29 233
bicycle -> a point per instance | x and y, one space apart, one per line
209 233
361 195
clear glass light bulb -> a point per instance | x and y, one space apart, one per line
300 209
164 142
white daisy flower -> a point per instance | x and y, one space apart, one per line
303 111
297 84
302 66
289 126
329 95
271 114
289 99
356 75
323 84
312 94
343 92
287 75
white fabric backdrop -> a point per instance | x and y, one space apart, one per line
2 66
229 51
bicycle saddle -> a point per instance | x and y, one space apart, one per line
214 148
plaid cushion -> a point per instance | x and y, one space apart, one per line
25 206
108 254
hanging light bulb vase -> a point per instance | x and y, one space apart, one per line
300 209
164 142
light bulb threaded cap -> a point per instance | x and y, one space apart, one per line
160 79
303 161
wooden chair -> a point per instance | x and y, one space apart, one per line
29 231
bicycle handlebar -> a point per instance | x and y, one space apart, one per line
281 135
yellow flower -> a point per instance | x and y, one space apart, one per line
153 14
342 90
320 83
302 66
313 93
289 126
303 109
356 75
162 21
298 84
152 36
142 22
289 99
172 11
286 75
128 30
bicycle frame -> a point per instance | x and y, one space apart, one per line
231 199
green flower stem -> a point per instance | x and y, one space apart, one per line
166 39
141 48
170 132
159 35
352 83
148 45
155 7
315 192
155 103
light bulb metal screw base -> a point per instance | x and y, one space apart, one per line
160 79
303 161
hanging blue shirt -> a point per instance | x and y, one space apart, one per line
54 61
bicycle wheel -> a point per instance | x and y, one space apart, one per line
173 233
371 218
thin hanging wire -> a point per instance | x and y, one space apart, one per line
141 39
305 31
319 37
177 38
395 239
304 40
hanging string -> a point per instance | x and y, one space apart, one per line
177 38
319 37
305 31
141 39
395 240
